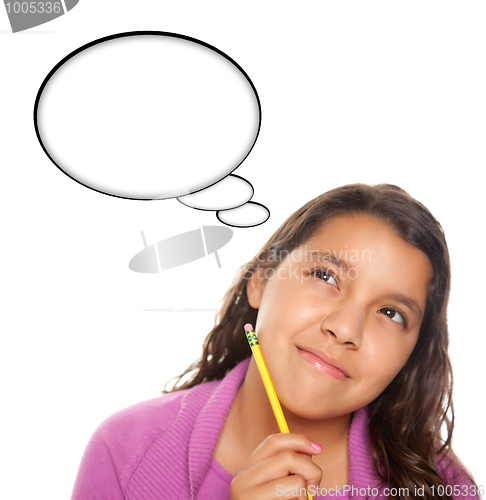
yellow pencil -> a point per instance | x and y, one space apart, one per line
267 382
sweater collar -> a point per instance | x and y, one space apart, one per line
361 471
209 424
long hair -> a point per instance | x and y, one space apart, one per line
407 418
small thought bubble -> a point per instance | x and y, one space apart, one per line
150 115
233 191
249 215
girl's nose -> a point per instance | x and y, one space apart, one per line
344 325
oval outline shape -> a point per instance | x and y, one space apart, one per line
244 227
141 33
220 209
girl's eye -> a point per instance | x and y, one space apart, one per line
394 315
325 275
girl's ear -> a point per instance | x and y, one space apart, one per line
255 287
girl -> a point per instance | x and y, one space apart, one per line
349 302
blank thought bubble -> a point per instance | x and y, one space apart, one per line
148 116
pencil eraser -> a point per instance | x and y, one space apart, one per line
248 327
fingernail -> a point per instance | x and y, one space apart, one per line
317 446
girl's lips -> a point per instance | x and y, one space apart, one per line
324 365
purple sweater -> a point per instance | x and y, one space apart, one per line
162 448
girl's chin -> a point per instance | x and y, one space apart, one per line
325 405
322 414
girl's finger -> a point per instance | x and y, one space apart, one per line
276 443
282 464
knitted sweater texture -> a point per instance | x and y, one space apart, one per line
162 448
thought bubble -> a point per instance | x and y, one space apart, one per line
149 115
233 191
239 217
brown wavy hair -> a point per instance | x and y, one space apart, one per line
407 418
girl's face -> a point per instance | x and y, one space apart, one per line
340 316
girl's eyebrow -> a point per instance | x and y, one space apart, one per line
328 256
409 302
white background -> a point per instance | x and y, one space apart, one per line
351 92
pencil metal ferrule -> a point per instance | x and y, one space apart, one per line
252 338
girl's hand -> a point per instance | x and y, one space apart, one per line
279 466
